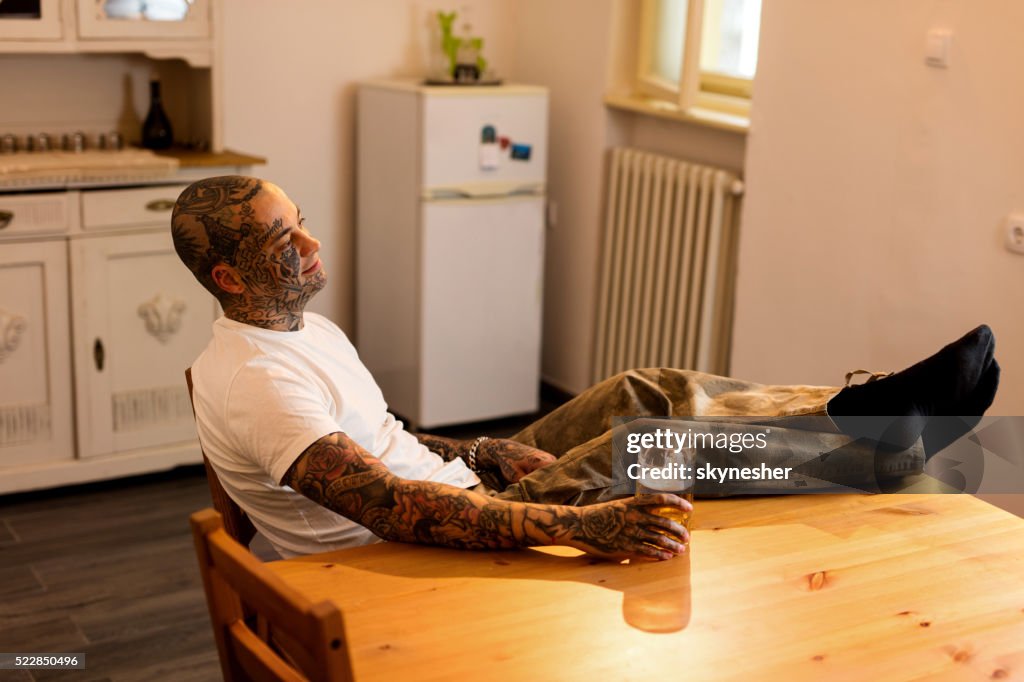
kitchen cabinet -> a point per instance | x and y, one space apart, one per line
31 20
139 320
35 361
181 29
84 65
128 19
98 317
98 321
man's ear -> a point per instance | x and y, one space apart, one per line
227 279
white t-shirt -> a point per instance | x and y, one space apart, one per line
262 397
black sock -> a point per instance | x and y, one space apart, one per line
960 379
985 392
942 432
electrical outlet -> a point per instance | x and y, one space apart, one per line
1015 233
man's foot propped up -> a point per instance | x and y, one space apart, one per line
959 380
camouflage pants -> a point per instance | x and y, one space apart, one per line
579 432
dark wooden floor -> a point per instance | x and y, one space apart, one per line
109 570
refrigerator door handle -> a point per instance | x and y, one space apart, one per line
483 192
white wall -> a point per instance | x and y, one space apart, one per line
581 50
290 70
564 45
877 187
289 75
861 160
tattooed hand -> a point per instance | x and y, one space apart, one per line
339 474
629 528
507 458
511 459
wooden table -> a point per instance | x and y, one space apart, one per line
882 587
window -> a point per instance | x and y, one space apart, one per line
699 53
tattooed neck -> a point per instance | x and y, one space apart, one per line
285 321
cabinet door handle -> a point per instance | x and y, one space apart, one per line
160 205
98 354
5 218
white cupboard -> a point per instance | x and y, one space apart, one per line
105 20
35 361
98 317
170 19
98 321
44 23
139 320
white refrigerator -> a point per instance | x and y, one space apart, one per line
450 247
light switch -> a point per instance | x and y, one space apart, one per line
937 54
1015 233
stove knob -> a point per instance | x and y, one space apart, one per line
115 140
8 144
74 142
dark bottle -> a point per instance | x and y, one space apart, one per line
156 131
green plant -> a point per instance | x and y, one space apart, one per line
478 45
449 42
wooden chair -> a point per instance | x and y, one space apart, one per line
297 640
236 523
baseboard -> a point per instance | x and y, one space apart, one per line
557 389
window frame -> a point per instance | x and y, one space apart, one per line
696 88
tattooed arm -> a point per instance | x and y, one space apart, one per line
448 448
511 460
339 474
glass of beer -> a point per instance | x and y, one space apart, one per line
667 470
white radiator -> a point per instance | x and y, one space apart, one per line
668 265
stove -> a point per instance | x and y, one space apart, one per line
45 160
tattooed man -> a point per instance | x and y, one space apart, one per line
300 436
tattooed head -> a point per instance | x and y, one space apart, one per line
244 240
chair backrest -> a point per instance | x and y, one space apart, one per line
236 523
298 639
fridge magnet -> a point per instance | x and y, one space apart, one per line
521 152
489 150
